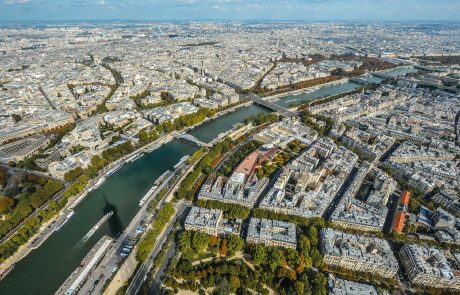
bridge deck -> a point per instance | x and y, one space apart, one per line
257 100
192 139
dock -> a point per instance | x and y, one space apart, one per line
153 190
79 276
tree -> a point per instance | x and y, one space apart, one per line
199 242
316 257
159 128
299 287
223 287
16 118
213 240
73 174
312 234
3 177
234 244
318 283
304 245
260 256
6 204
308 261
292 258
143 136
274 258
146 245
153 135
23 209
223 248
184 240
234 283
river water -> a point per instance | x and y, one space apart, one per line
46 268
289 100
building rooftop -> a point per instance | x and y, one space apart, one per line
364 248
272 230
204 217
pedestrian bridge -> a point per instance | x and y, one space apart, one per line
192 139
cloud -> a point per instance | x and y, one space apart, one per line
230 9
13 2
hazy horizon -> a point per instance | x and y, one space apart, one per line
215 10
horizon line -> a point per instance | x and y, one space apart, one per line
236 20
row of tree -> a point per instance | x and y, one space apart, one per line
32 224
283 270
312 121
262 118
226 277
205 165
26 204
148 242
232 161
194 243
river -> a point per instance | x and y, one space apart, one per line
330 90
46 268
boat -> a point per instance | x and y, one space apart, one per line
114 169
81 197
98 224
135 157
97 184
162 177
147 195
181 161
64 221
153 147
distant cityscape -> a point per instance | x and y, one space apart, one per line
199 157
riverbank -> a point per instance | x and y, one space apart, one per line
279 96
217 115
73 201
130 272
305 90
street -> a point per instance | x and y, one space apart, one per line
145 268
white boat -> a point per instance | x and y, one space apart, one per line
181 161
154 147
97 184
114 169
97 225
65 220
135 157
162 177
147 195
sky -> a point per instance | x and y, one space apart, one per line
308 10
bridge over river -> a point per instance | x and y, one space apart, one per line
192 139
283 111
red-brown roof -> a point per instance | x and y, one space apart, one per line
398 224
405 198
